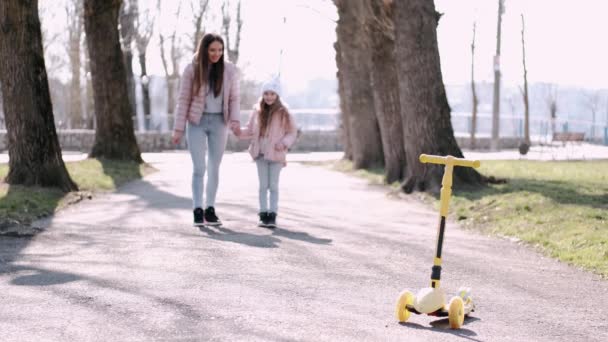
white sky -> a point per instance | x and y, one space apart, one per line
565 39
306 37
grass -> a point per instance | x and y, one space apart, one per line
559 207
25 204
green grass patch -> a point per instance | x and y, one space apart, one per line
25 204
559 207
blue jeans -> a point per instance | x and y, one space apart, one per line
268 175
210 132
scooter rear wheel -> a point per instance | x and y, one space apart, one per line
401 312
456 312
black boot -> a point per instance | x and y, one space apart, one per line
211 218
198 217
263 219
272 220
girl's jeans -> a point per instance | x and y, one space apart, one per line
210 132
268 175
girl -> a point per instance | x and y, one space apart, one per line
272 131
208 102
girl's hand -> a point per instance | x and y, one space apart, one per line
177 137
280 147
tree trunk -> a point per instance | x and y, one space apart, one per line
145 85
1 110
344 110
199 30
128 61
495 142
355 60
75 92
172 82
143 32
34 152
114 135
525 91
424 106
127 17
385 88
89 104
74 9
552 103
233 52
172 76
475 100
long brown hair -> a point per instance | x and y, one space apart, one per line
266 114
206 73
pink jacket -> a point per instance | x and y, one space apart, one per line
276 133
191 107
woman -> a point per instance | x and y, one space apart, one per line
208 103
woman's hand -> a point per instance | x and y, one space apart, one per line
235 126
280 147
177 137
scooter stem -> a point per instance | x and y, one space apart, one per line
444 201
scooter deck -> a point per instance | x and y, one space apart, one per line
443 312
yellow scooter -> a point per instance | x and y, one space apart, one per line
432 300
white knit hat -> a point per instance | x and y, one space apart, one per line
273 84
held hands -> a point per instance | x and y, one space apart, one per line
177 137
280 147
235 127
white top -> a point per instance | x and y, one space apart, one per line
214 104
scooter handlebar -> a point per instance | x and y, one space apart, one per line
426 158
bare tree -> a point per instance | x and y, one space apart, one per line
89 104
114 135
34 152
495 142
344 105
605 102
551 99
592 102
1 110
475 100
424 105
199 10
233 49
54 60
385 87
171 62
74 14
128 13
525 146
144 25
354 65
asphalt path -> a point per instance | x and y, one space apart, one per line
129 266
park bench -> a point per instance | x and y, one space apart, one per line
566 137
566 148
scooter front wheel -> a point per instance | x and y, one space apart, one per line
456 312
401 312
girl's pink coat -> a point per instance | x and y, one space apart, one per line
277 132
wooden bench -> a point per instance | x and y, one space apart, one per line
565 137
